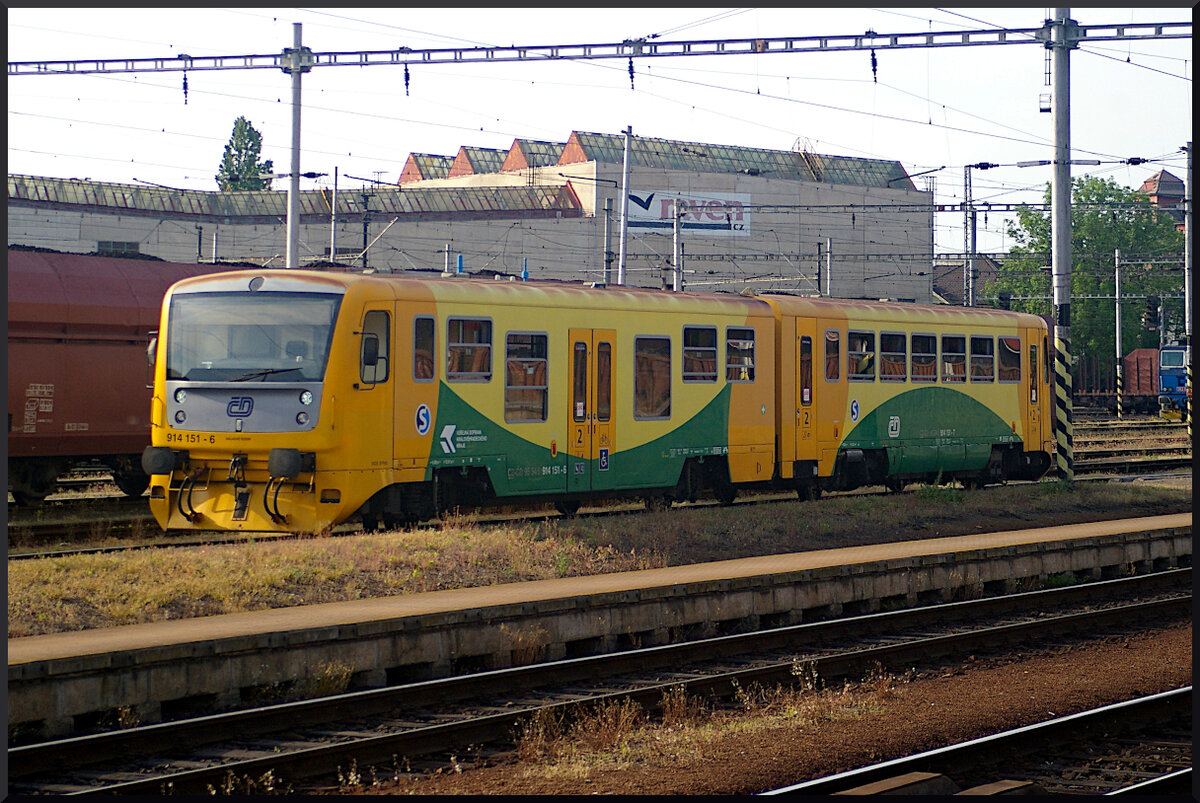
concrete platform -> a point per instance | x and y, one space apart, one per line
63 683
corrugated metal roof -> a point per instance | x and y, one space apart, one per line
397 200
707 158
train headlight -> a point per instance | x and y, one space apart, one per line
306 397
302 418
180 416
180 395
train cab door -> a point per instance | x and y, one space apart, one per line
590 418
371 420
806 394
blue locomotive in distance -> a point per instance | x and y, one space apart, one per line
1172 378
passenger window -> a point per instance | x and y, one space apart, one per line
1033 373
423 362
739 355
833 355
806 371
469 350
983 362
954 358
373 355
603 381
652 378
924 358
893 357
860 351
579 372
1010 360
525 383
699 354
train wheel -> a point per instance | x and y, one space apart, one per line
567 508
657 502
809 492
27 498
894 484
131 483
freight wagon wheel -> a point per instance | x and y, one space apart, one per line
568 508
132 483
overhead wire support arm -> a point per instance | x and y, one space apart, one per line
639 48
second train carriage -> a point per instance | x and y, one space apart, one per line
293 400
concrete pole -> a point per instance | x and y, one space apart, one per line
1120 352
292 65
829 267
677 251
333 220
624 206
608 241
1062 40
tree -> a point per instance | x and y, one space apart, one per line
240 167
1104 217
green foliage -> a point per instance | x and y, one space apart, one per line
240 167
1104 217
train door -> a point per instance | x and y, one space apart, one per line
591 416
806 412
372 417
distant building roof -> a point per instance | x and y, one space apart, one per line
420 166
948 276
271 206
1166 192
708 158
473 161
532 153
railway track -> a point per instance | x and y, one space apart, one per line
286 746
1141 746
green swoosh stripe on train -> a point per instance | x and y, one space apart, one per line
938 429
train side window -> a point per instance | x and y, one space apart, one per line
860 352
954 358
373 362
579 375
806 378
833 355
699 354
739 355
469 350
983 358
1009 368
651 378
924 358
1046 360
1033 373
603 380
423 345
893 357
525 379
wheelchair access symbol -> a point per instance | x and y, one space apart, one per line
604 459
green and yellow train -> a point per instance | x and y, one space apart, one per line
296 400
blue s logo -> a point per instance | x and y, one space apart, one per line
239 407
423 419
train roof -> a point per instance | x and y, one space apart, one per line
899 312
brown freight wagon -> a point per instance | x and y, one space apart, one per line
78 374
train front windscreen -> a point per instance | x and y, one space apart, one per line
250 337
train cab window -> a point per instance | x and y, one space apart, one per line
423 346
739 355
469 350
1033 373
806 371
373 363
954 358
860 352
983 358
924 358
651 378
699 354
525 382
1009 353
893 357
833 355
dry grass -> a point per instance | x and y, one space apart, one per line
91 591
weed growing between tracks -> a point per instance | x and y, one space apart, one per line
90 591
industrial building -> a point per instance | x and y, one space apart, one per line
734 218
